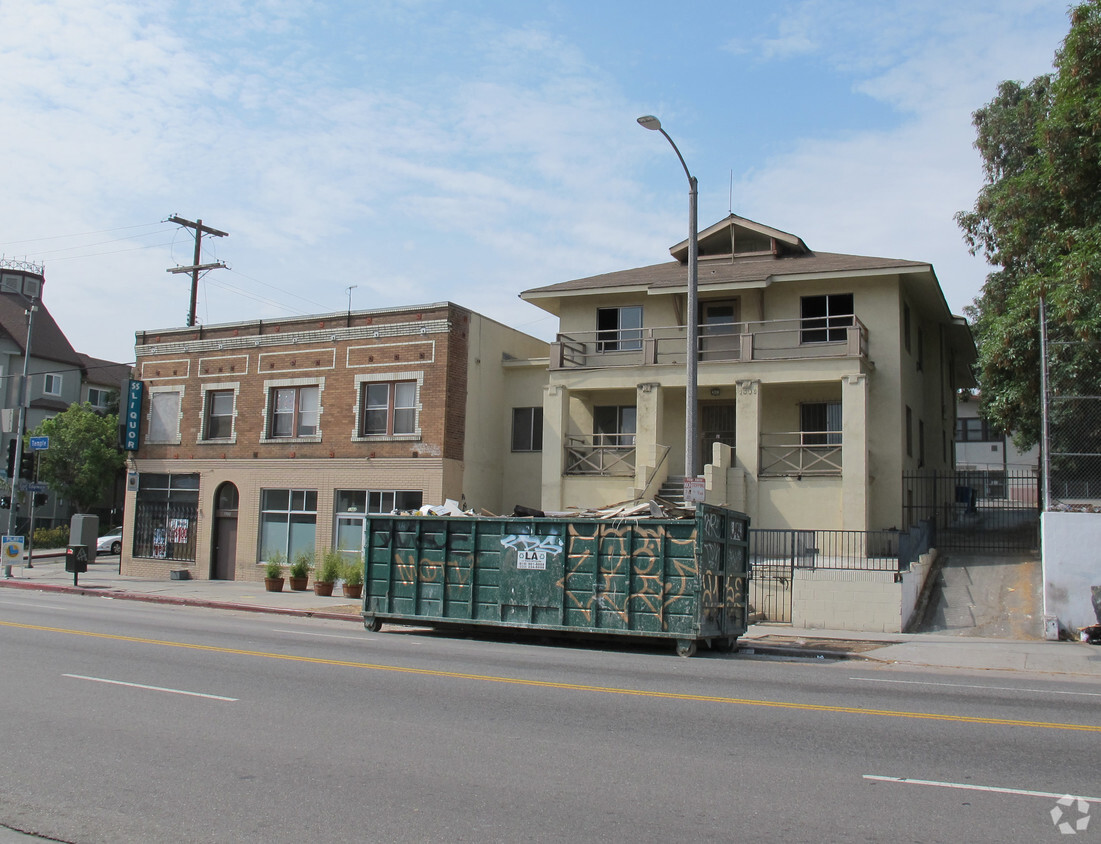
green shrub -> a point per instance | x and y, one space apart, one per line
274 566
301 566
332 566
353 572
55 537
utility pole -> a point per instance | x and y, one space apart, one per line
24 401
196 267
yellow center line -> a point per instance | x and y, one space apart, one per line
577 687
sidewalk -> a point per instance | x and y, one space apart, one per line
930 649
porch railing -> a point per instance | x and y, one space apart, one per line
801 453
600 454
859 550
784 339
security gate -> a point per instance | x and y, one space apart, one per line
773 556
976 510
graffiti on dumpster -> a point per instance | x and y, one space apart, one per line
532 551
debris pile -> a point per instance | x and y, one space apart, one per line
653 508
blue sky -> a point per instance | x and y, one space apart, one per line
422 150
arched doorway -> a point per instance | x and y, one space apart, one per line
223 554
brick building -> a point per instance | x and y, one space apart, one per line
266 436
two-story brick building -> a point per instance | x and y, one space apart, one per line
279 435
826 377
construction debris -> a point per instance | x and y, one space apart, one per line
652 508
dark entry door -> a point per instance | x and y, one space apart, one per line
223 562
717 425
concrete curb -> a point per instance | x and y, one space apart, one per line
189 602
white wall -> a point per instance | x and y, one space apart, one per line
1071 566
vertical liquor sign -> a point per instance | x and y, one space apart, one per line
133 415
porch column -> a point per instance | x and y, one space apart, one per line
854 452
556 420
747 439
648 432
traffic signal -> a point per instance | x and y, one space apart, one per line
26 465
11 458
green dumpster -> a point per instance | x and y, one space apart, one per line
681 579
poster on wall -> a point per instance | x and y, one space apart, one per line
177 531
160 545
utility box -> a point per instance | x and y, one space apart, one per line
681 579
84 531
76 559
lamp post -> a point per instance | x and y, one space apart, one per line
691 387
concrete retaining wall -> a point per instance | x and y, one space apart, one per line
1072 566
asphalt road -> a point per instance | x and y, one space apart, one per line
128 722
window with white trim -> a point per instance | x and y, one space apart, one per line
99 399
388 408
164 415
527 429
218 413
294 411
51 384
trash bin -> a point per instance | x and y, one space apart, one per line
681 579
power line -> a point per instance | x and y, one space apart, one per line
80 234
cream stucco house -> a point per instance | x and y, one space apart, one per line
823 379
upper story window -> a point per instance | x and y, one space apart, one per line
294 411
975 430
218 415
825 318
388 408
164 414
51 384
527 429
619 329
99 399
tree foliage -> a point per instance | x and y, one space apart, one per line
1037 219
83 459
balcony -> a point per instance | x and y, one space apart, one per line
785 339
800 453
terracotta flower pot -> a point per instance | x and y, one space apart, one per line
298 584
273 584
322 588
353 590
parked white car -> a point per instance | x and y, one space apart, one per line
110 542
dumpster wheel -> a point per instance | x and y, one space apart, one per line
373 624
686 647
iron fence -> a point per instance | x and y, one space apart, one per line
976 510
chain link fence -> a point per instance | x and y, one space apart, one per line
1072 430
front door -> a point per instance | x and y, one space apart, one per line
716 426
224 553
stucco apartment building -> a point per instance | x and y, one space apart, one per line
823 380
276 436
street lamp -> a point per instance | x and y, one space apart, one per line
691 428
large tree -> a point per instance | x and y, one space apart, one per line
83 459
1037 219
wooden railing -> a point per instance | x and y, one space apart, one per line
801 453
785 339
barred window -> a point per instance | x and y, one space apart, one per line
165 513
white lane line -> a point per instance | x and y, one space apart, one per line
324 635
150 688
968 787
35 606
973 686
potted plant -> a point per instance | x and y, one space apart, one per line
353 578
273 572
300 571
327 572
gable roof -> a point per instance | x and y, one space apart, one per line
106 373
48 341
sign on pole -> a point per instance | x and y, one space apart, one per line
40 443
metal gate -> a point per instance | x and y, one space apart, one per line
976 510
773 556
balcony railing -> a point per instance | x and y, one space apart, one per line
801 453
784 339
600 454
